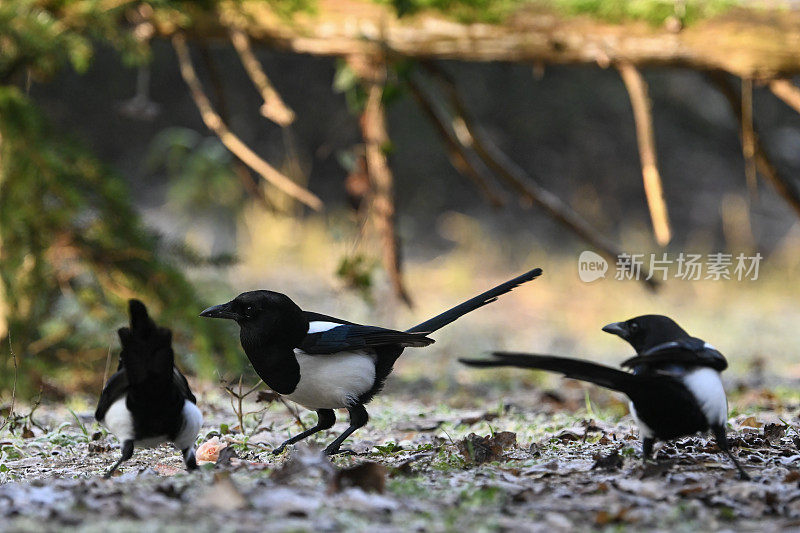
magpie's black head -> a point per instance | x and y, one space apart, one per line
646 331
265 314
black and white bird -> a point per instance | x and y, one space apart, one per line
674 385
325 363
148 401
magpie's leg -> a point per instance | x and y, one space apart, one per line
358 418
722 442
326 418
647 448
127 453
189 459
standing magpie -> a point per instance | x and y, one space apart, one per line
148 401
325 363
674 386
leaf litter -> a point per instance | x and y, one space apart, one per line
525 465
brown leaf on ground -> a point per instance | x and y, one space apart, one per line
485 449
612 461
369 476
774 432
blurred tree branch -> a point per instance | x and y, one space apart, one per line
643 118
214 122
785 187
749 41
515 177
372 72
274 107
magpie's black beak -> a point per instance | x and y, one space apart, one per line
220 311
618 328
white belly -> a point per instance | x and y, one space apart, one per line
119 420
332 381
706 386
192 420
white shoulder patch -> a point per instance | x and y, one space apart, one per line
709 346
706 385
318 325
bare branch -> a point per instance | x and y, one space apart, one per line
376 139
463 161
274 107
637 90
522 182
786 188
748 141
214 122
241 170
786 91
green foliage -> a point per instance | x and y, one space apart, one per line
655 12
492 11
356 272
73 250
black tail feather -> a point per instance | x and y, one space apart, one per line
460 310
602 375
146 348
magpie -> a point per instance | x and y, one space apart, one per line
148 401
674 384
325 363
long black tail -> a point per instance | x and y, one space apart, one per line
460 310
605 376
146 348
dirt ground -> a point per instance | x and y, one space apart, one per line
433 458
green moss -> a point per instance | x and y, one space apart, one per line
655 12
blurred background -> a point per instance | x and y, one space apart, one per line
182 153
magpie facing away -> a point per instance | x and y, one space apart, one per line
148 401
325 363
674 387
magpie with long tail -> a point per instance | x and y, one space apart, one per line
325 363
148 401
674 383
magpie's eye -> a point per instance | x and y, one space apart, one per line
634 327
250 310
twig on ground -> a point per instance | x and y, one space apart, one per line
13 387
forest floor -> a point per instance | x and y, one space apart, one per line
433 458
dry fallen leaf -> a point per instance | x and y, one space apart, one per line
485 449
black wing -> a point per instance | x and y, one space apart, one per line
183 385
117 386
689 352
348 337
